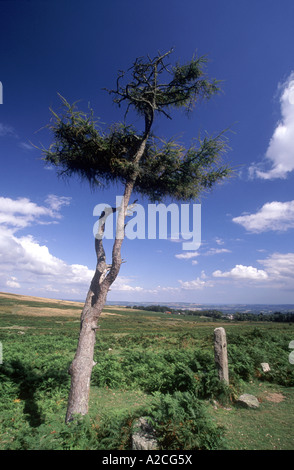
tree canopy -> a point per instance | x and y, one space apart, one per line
164 168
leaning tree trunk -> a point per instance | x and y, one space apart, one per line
82 365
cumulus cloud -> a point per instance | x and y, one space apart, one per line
277 272
34 267
277 216
279 266
22 212
280 151
124 284
12 282
34 262
242 272
197 284
27 263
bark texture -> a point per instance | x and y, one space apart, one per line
82 365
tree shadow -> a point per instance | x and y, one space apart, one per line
28 381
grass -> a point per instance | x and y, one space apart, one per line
39 337
104 399
269 427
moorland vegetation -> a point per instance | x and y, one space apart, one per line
147 364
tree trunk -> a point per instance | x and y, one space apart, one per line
82 365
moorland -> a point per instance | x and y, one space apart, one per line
148 364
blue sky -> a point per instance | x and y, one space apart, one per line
75 48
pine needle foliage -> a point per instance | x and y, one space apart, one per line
167 169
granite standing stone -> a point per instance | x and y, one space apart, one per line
220 353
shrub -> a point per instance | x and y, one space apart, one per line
181 422
182 370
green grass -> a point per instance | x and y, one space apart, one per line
139 354
269 427
105 399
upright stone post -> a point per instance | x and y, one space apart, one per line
220 354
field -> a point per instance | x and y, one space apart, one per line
148 364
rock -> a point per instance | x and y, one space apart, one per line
143 437
220 353
265 367
247 400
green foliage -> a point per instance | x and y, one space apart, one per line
181 422
248 350
277 317
164 169
173 370
192 371
80 147
156 85
168 169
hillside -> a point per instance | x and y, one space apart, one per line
147 362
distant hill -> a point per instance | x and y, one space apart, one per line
225 308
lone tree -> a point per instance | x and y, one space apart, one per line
143 163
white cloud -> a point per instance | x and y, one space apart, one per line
35 265
21 206
195 284
27 263
217 251
12 282
56 202
79 274
277 272
21 212
187 255
280 267
37 258
277 216
242 272
280 152
194 254
123 284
